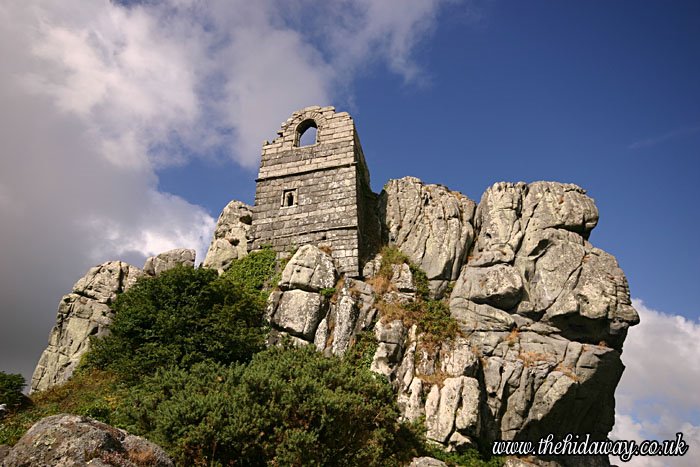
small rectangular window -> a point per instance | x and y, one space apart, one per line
289 198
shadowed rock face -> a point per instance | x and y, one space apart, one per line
82 313
70 440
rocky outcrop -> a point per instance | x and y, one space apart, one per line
168 260
432 225
312 307
543 315
231 236
87 312
82 313
71 440
532 263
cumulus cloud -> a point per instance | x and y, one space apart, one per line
657 396
96 97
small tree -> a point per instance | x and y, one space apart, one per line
11 386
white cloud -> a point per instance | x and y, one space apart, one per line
657 396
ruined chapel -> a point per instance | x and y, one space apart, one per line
317 193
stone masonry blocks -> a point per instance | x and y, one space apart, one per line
318 193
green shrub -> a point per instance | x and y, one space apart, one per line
435 321
362 351
181 317
286 407
11 386
470 457
254 271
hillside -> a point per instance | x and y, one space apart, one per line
496 321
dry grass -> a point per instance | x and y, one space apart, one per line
438 378
568 371
535 358
513 337
390 311
381 284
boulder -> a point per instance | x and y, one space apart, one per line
310 269
83 313
430 224
426 462
168 260
298 312
231 236
71 440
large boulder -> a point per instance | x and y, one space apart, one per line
297 312
83 313
168 260
309 269
430 224
231 236
70 440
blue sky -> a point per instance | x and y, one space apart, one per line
604 95
127 127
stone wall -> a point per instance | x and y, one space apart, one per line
318 193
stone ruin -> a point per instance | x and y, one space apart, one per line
318 193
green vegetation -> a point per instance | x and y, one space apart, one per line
362 351
179 318
185 366
255 271
91 393
11 386
470 457
286 407
431 316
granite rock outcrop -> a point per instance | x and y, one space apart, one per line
541 313
231 236
86 312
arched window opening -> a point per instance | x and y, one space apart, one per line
307 133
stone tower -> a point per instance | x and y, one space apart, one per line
318 193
